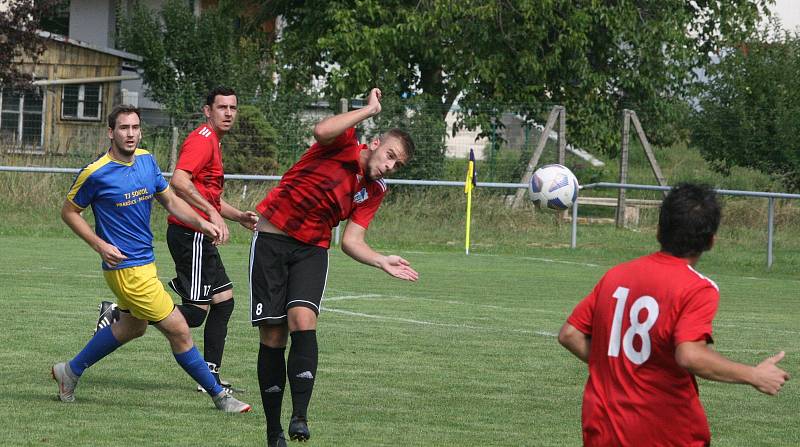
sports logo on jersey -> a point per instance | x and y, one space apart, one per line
361 196
206 132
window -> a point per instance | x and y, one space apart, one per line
21 117
81 102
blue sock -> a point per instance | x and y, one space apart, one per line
192 362
102 344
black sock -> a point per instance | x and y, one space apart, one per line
302 369
272 381
214 335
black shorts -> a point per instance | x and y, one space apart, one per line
284 273
199 269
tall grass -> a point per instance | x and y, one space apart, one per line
433 218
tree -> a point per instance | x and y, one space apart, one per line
595 58
19 39
184 56
749 114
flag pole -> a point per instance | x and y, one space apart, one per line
469 184
469 216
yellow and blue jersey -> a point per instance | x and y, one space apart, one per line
121 196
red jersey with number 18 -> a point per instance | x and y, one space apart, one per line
637 315
326 186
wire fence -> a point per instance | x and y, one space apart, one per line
269 136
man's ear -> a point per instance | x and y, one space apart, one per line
207 111
374 144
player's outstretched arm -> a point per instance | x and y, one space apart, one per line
247 219
355 246
699 359
328 129
576 342
180 209
181 182
71 215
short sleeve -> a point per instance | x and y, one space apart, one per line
365 211
195 153
82 191
161 182
583 314
344 140
696 317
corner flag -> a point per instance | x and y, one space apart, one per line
472 175
469 184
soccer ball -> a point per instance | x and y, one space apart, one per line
553 186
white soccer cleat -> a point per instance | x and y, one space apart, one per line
229 404
66 382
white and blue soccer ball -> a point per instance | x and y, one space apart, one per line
553 186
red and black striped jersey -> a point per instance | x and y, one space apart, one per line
327 185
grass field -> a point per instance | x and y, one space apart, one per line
465 357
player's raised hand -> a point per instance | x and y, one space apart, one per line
110 254
399 268
248 219
768 377
374 101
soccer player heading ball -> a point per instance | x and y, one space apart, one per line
645 332
336 179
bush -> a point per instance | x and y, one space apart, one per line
250 146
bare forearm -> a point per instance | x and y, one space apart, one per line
180 209
79 226
184 188
230 212
361 252
711 365
328 129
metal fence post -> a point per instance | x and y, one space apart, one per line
574 240
770 222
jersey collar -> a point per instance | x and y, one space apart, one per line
125 163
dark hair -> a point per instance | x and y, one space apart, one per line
405 140
689 218
117 110
218 91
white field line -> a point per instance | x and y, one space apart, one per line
557 261
585 264
408 298
527 258
431 323
351 297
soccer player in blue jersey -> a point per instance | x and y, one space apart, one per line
120 187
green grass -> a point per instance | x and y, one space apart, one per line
466 356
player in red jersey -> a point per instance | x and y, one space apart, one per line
201 280
645 332
336 179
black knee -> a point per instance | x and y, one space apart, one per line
222 311
194 315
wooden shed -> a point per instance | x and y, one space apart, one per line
76 85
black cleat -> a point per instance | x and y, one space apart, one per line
109 314
298 429
276 441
